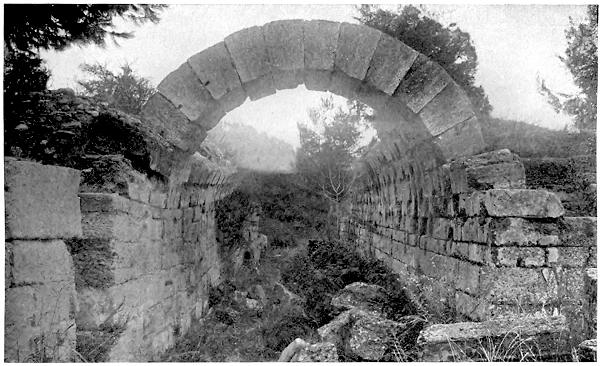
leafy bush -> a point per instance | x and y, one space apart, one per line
329 266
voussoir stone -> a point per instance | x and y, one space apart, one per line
215 70
389 64
423 81
356 46
249 53
183 88
522 203
285 44
320 43
448 108
167 120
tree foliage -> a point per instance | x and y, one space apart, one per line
125 90
449 46
31 27
581 58
329 146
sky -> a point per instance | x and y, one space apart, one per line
515 45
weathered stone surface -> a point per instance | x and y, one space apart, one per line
470 341
360 295
215 70
40 201
38 321
464 139
249 53
518 285
513 231
260 87
578 231
320 44
343 85
292 349
521 257
167 121
285 44
318 352
370 335
389 64
356 45
423 81
183 88
496 169
448 108
318 80
587 351
37 262
522 203
590 301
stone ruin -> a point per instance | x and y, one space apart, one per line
123 269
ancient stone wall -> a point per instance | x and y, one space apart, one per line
143 267
42 210
472 239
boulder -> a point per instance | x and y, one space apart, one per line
371 336
318 352
256 292
361 334
290 351
360 295
587 351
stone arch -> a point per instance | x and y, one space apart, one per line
424 116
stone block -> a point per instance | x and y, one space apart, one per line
391 60
37 262
343 85
578 231
495 338
518 286
248 51
288 79
522 203
513 231
464 139
215 70
320 44
40 201
30 344
448 108
42 306
158 199
467 277
318 80
519 257
569 256
285 44
481 253
183 88
167 121
355 48
423 81
471 307
260 87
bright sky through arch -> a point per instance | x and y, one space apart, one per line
514 43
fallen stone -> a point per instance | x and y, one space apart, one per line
290 351
587 351
360 295
318 352
507 337
371 336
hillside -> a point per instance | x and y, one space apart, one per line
249 149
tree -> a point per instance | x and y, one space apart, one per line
28 28
126 90
450 47
581 58
328 148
